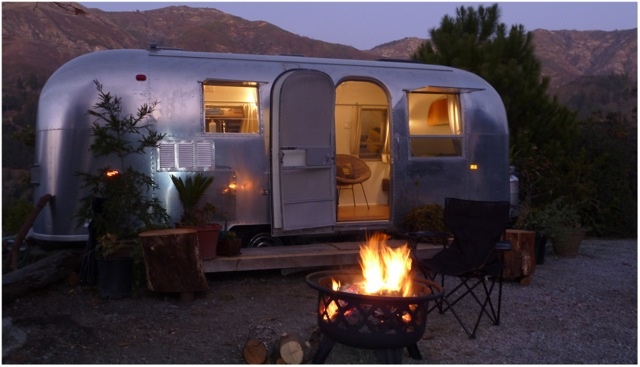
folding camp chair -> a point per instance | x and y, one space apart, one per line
475 257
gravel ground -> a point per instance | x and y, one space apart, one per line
579 310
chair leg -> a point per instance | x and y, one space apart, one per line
497 319
470 334
353 195
496 313
486 304
365 195
492 313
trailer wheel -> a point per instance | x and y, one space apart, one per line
264 240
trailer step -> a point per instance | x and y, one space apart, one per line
301 256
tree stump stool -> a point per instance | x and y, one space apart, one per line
520 262
172 261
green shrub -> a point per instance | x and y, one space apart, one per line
14 216
428 217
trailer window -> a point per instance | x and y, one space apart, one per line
230 108
434 125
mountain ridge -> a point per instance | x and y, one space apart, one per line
46 36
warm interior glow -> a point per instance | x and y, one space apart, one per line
386 270
112 173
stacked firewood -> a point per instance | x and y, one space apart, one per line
265 345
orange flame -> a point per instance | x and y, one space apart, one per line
386 270
112 172
332 309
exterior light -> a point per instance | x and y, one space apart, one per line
473 166
231 187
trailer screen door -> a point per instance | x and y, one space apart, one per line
303 151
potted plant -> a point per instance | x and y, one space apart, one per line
190 192
427 218
116 259
561 223
119 203
229 244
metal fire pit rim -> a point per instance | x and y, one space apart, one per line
309 279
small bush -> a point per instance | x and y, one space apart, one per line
15 215
428 217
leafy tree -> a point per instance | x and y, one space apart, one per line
612 154
120 194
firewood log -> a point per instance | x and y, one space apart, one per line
39 274
291 348
254 352
260 345
312 345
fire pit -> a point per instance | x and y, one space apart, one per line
385 319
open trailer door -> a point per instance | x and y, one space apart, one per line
302 158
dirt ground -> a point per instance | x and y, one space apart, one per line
73 325
566 315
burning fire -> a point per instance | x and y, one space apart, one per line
386 270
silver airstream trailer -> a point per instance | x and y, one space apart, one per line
295 145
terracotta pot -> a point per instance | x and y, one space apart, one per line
568 246
229 247
208 240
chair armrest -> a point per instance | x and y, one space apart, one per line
504 245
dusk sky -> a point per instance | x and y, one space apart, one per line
365 25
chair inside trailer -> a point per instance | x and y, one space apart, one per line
362 151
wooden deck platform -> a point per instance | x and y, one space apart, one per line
300 256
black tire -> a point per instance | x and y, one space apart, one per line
264 239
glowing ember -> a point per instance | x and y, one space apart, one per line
332 309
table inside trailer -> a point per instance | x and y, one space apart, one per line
301 256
